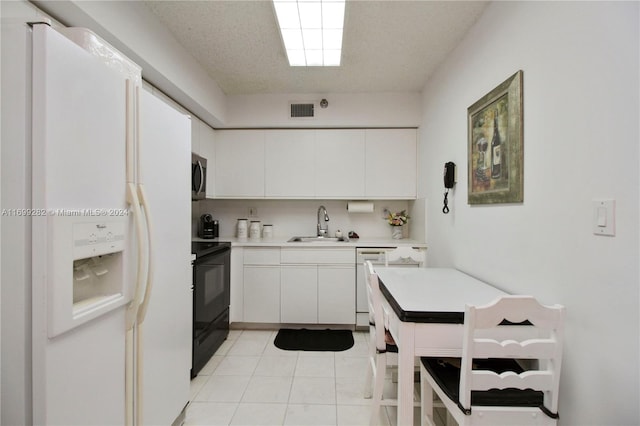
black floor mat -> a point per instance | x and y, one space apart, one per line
313 340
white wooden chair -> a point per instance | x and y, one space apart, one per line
404 255
382 350
509 372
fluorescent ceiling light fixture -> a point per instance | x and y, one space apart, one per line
311 31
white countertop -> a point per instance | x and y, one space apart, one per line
282 242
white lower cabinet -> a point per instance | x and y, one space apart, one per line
336 294
299 286
262 294
318 286
299 294
261 285
236 308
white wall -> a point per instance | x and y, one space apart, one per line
581 138
344 110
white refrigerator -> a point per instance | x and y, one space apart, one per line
111 276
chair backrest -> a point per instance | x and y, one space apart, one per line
488 335
404 255
374 297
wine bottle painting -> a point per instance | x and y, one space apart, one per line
495 145
489 168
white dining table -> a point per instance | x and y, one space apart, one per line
425 312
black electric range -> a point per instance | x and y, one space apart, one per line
204 248
211 298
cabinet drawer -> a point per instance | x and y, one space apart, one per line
262 256
318 256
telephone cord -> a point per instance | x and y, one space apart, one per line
445 209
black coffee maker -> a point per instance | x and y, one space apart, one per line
207 228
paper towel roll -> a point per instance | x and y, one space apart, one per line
360 207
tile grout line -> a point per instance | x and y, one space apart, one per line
263 353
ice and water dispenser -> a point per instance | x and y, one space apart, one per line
87 272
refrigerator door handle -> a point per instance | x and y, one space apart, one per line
142 268
142 310
134 201
132 135
132 309
144 300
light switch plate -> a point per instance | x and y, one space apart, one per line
604 217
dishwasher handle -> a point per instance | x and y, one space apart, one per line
375 256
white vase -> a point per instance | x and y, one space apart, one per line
396 232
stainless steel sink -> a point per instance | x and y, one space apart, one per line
316 239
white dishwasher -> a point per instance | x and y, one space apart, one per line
376 256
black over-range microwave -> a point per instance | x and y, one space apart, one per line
198 177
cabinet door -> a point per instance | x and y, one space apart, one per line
239 164
391 157
262 294
289 163
340 163
195 135
236 308
336 294
299 294
208 151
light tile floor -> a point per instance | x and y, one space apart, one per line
249 381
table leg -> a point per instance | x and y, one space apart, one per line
406 352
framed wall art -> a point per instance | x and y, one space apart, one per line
495 151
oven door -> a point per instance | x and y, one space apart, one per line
211 287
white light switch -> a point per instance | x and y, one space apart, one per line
604 217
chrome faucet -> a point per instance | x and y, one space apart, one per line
323 229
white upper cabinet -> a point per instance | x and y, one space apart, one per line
391 158
203 144
208 151
195 135
239 164
340 163
289 157
310 163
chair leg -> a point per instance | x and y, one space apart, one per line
426 399
371 370
381 366
368 381
450 421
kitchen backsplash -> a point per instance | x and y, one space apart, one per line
299 217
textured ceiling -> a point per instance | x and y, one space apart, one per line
387 45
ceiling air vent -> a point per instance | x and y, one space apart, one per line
302 110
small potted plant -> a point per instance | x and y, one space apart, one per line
397 221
